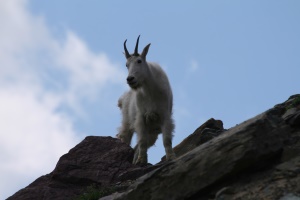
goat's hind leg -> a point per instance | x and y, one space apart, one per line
167 131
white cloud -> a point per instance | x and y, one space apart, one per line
87 72
32 136
38 75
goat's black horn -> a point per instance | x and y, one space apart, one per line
126 51
136 53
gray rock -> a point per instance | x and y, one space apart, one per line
292 114
293 118
289 112
258 159
290 196
248 146
225 193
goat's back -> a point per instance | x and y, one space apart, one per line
163 83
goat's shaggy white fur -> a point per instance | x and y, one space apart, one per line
147 107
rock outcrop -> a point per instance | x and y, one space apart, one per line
257 159
99 161
210 129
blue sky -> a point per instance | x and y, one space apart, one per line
62 69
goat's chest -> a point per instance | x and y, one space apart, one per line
149 104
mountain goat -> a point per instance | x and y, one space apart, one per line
147 107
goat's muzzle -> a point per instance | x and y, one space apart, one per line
132 82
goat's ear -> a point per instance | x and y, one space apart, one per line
145 51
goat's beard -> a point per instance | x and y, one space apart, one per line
134 86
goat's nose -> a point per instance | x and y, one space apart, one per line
130 79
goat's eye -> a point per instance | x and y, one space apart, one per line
139 61
127 65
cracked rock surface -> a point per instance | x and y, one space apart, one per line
256 159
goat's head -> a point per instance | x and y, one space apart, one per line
136 65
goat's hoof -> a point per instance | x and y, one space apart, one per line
171 157
120 137
141 161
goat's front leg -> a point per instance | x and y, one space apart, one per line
136 154
151 139
141 149
142 157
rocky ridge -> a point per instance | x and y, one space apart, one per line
257 159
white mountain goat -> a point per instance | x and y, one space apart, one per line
147 107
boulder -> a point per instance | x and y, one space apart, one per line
100 161
210 129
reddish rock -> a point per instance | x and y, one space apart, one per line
96 160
